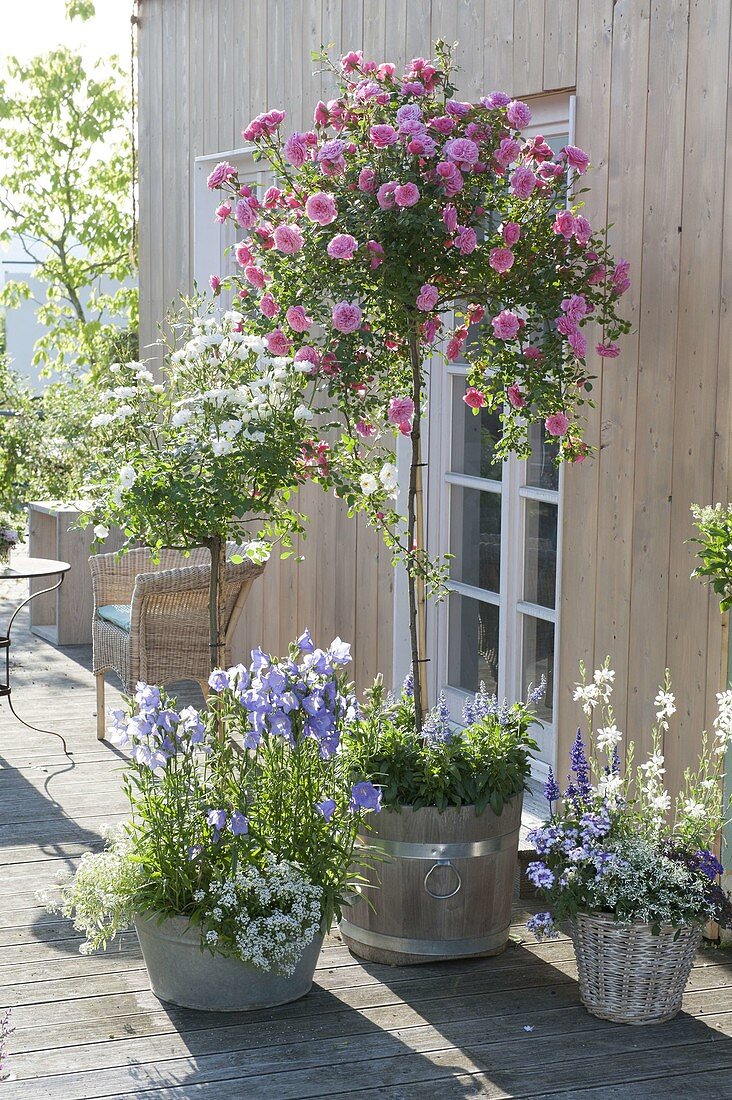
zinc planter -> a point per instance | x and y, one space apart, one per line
440 888
184 973
629 975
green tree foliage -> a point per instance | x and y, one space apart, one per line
66 193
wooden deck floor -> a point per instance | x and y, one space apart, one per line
90 1027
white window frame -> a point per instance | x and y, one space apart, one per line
552 115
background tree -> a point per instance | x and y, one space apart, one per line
66 195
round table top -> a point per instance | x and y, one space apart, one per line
20 567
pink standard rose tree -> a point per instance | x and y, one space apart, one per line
407 222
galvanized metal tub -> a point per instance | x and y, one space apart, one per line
440 888
184 973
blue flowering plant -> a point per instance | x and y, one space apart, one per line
248 836
616 842
485 762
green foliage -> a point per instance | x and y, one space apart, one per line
66 194
80 9
715 549
487 764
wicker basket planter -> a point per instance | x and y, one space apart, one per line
629 975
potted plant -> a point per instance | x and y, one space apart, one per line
9 536
405 224
238 852
447 839
630 869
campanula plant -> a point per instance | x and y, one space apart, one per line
249 837
616 842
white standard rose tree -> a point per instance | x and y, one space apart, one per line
215 448
404 222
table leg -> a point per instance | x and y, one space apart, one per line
5 689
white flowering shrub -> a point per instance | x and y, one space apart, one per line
266 915
616 842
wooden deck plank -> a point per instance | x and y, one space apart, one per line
89 1027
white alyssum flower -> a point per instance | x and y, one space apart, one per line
127 476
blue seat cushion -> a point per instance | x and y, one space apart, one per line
118 614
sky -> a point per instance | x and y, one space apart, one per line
34 27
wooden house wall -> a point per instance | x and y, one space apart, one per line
651 79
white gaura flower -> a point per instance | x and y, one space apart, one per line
302 412
665 702
101 420
588 696
127 476
100 531
610 786
604 678
388 478
694 809
221 446
369 484
660 802
608 738
178 419
653 767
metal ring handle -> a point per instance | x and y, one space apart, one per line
435 865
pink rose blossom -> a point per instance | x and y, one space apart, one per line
351 61
619 277
342 247
222 173
506 325
474 398
501 259
523 182
597 276
309 355
367 180
255 276
222 212
578 344
320 115
518 114
565 325
564 224
401 411
288 239
296 149
427 297
582 230
243 254
557 423
444 125
458 109
430 328
450 178
277 343
538 150
271 198
383 135
495 99
246 217
476 313
576 158
214 281
386 70
608 351
364 429
321 208
268 305
507 151
385 195
515 396
453 349
376 252
406 194
466 240
450 218
422 146
409 112
347 317
298 319
463 152
531 352
575 307
413 87
511 233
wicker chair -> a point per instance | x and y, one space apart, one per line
151 619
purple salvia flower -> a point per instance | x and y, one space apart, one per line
408 685
551 790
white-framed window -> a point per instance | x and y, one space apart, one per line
499 624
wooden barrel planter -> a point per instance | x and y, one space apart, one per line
440 888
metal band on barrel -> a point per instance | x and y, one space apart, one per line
404 850
423 947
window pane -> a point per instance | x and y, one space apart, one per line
473 438
540 469
540 558
538 661
473 649
475 537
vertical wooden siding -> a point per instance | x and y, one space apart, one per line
651 83
653 109
206 67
